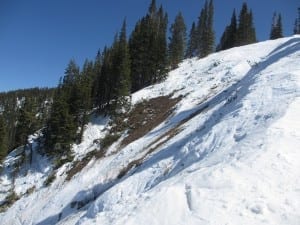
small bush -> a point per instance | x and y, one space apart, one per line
10 199
30 190
50 179
59 161
108 140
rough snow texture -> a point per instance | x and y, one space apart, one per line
234 158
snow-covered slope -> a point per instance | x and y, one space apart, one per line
228 154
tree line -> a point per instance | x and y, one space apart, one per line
131 63
22 112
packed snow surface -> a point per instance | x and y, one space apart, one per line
228 154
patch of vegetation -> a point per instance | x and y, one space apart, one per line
130 166
30 190
50 179
10 199
78 165
59 161
147 115
108 140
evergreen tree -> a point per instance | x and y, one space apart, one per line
210 34
148 48
83 86
273 27
192 42
105 93
177 43
295 31
60 132
161 46
122 80
246 32
228 38
26 123
96 84
67 112
205 32
3 138
297 23
201 29
276 29
138 45
71 73
279 27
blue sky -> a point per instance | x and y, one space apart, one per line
39 37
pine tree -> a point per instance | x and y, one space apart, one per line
71 73
26 123
276 29
105 93
246 32
148 48
84 88
228 39
138 44
297 23
210 34
295 30
96 84
299 20
205 32
60 131
177 43
161 46
66 113
273 27
3 138
201 29
123 82
192 42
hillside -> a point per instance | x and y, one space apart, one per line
225 150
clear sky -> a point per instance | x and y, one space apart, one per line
39 37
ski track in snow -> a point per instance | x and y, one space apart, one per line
234 160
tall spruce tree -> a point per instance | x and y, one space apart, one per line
228 39
161 59
148 48
106 82
60 131
192 42
205 32
246 31
96 85
177 43
84 86
123 83
210 34
276 28
26 123
297 24
3 138
66 113
201 29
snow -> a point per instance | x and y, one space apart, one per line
232 158
94 130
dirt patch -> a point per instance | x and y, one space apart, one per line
147 115
78 165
